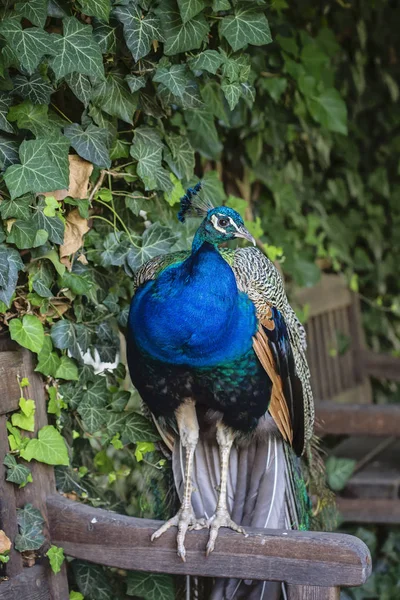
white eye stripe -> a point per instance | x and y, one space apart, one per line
214 220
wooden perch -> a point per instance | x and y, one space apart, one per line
299 558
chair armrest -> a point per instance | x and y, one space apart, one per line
297 557
381 366
357 419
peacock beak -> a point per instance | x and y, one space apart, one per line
243 233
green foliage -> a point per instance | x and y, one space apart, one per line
56 558
384 546
30 525
150 586
16 472
339 471
49 447
289 114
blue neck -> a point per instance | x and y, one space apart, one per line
198 239
193 313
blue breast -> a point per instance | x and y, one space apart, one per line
193 313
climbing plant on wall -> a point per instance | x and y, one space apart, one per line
108 110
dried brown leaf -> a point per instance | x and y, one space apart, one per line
79 172
5 542
75 229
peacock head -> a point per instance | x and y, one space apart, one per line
219 225
222 224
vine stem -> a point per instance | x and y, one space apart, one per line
61 113
116 215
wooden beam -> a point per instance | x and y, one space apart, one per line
31 583
381 366
369 510
308 592
353 419
297 557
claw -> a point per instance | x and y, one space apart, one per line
185 520
220 519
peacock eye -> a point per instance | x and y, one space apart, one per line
223 222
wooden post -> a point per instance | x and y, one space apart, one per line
19 363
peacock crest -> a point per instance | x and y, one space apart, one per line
193 205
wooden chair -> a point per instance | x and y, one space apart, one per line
344 403
314 565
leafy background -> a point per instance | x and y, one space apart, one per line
108 110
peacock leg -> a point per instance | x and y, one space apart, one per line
221 517
185 518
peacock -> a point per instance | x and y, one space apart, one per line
219 357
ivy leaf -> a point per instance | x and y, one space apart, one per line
212 189
339 471
139 30
149 157
56 558
28 45
30 524
175 78
105 36
49 447
44 167
16 472
5 103
181 158
190 8
209 60
8 152
98 392
76 51
203 133
135 82
156 240
10 264
114 97
90 143
92 581
275 86
80 85
33 117
246 26
232 93
33 10
48 361
96 8
24 234
28 332
93 413
71 394
179 36
138 429
18 208
70 336
54 226
67 369
34 88
25 418
329 109
151 586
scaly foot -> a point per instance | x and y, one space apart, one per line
185 519
220 519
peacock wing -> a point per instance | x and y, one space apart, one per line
280 346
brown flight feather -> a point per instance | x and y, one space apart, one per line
278 407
